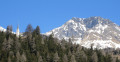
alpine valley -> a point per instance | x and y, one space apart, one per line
96 31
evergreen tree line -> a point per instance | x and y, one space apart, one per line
35 47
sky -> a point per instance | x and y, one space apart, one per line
50 14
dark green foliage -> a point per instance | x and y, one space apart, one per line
29 29
37 30
34 47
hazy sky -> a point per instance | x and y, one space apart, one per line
49 14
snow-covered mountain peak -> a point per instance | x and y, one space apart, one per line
2 29
92 29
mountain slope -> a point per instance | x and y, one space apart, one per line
96 31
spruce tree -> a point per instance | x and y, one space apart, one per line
56 57
29 29
65 59
94 57
40 59
72 59
37 30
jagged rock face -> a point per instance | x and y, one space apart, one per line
87 31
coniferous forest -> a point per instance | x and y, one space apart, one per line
35 47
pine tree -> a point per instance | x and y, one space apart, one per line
4 47
48 57
32 45
56 57
29 29
51 44
9 59
18 56
117 60
9 28
95 57
7 44
42 41
113 59
69 53
37 30
72 59
40 59
81 56
17 44
65 59
23 58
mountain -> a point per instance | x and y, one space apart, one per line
2 29
96 31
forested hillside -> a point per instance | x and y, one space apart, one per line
35 47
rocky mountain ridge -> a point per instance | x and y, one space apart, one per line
96 31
